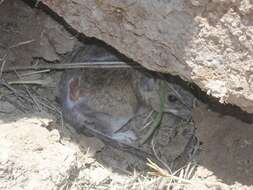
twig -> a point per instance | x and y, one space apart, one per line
15 104
148 116
9 48
47 106
34 72
2 68
161 172
147 124
18 94
21 44
5 112
32 82
158 158
3 64
29 93
50 106
102 64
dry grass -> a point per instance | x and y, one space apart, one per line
179 178
157 179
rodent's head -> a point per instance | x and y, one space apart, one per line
176 100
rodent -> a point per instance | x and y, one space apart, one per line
75 107
80 114
85 120
102 125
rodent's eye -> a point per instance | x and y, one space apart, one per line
172 98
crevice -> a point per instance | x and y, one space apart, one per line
213 103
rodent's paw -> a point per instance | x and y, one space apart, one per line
125 137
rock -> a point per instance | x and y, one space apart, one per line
61 40
206 42
33 158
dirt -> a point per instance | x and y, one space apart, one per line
227 146
37 147
39 36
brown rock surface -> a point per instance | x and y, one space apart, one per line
206 42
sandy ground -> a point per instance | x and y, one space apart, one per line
39 150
